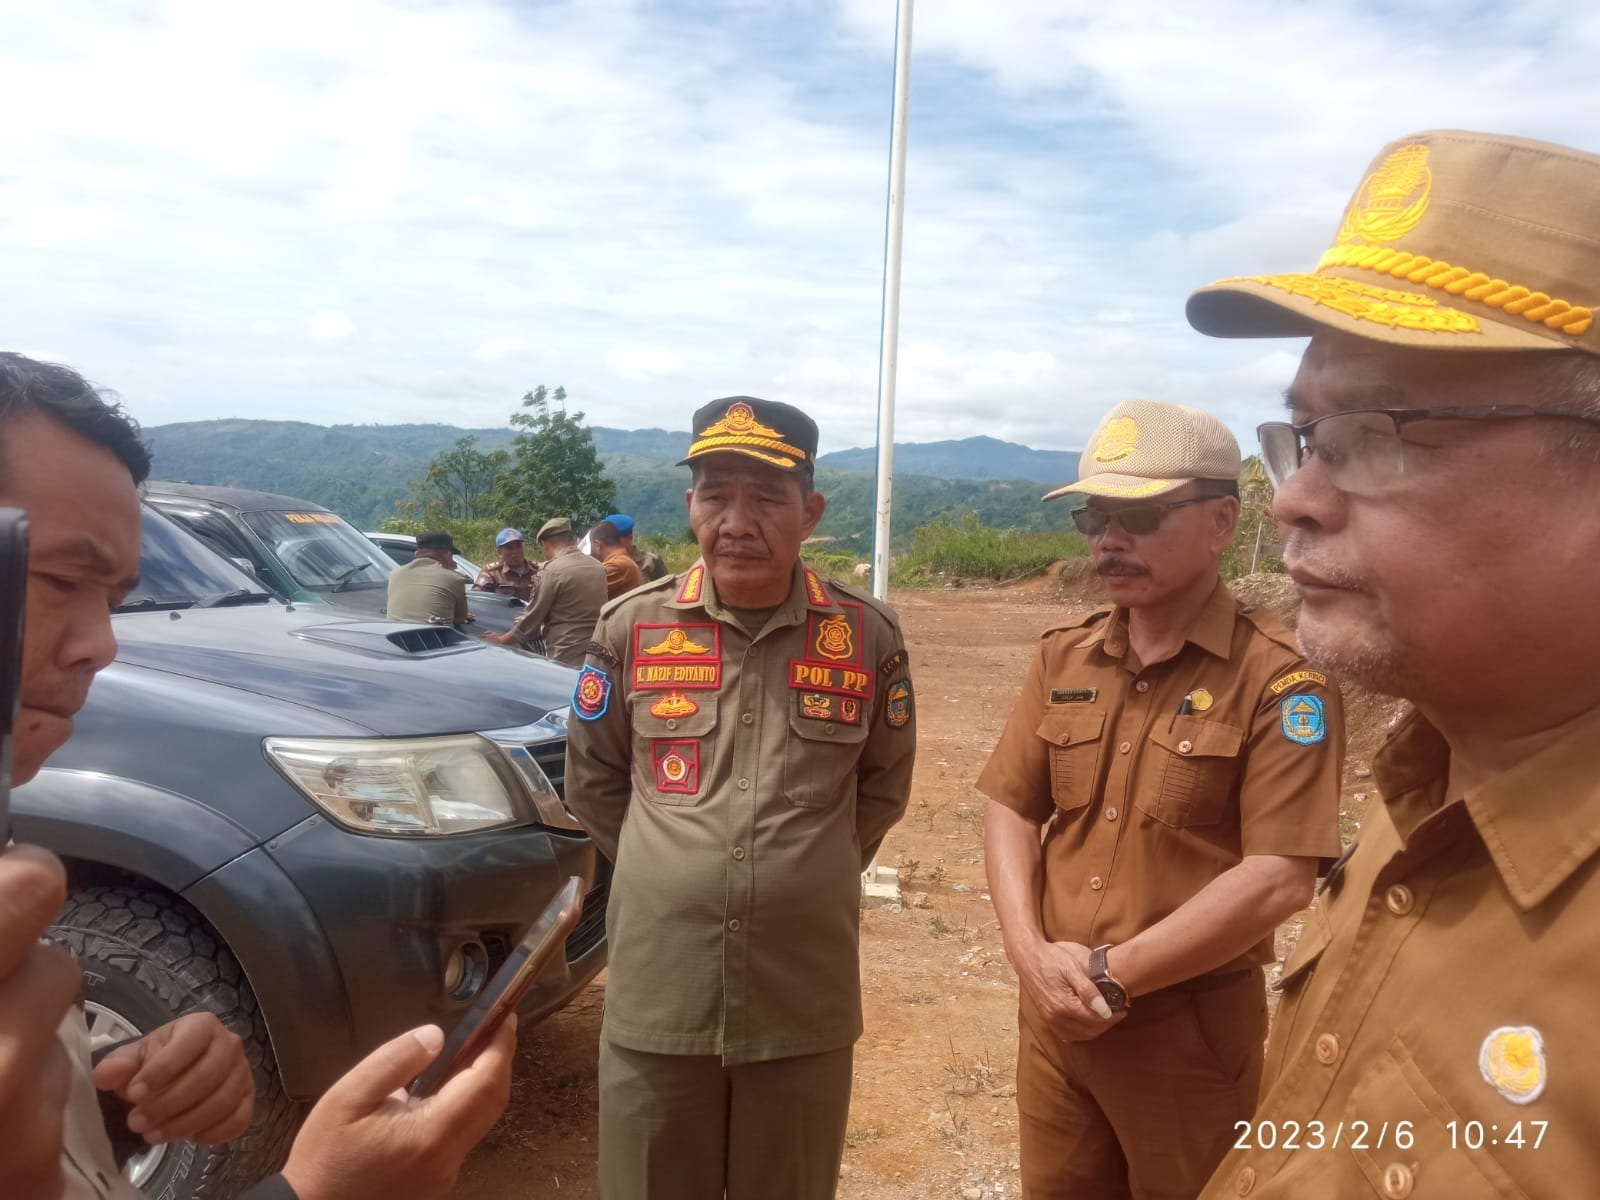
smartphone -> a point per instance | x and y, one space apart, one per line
13 602
499 999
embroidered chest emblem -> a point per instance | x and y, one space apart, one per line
676 642
1512 1062
674 705
834 638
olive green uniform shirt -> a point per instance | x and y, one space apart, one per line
427 592
651 565
740 784
1437 1035
565 606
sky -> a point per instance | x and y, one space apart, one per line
375 211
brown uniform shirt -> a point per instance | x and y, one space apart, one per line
740 784
563 612
427 592
1443 993
622 573
1150 805
497 577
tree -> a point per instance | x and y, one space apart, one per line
458 485
555 470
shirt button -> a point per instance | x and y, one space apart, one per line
1399 899
672 722
744 785
1327 1049
1125 747
1244 1183
1142 686
1111 814
1097 883
1398 1181
1185 747
738 854
828 728
748 718
733 925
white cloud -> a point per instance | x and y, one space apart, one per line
331 326
644 362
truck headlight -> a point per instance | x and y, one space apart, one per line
407 787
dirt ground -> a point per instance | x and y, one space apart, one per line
933 1113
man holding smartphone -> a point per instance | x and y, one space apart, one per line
73 464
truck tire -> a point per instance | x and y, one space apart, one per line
149 958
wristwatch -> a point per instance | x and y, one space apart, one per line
1115 995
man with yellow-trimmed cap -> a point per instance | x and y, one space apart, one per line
1158 803
742 738
1439 482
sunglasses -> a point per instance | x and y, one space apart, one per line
1146 518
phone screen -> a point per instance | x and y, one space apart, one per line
13 601
502 994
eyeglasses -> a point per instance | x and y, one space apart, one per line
1363 451
1146 518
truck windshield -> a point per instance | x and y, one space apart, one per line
320 550
176 570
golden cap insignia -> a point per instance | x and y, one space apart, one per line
1512 1062
676 642
740 421
1117 441
833 638
1391 200
674 705
1201 699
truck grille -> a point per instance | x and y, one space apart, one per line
591 929
552 760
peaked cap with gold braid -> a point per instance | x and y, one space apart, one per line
779 435
1453 241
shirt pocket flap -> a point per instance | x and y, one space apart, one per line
1197 737
1072 727
673 714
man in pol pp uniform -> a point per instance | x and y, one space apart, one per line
741 740
1439 481
1180 762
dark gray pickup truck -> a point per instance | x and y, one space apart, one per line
323 828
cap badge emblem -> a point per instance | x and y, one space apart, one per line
1392 199
1118 440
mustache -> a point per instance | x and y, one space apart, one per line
1113 564
740 549
1302 553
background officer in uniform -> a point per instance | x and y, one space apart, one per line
1181 763
567 603
428 589
511 574
622 573
1440 485
650 564
742 739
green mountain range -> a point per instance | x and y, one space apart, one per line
363 472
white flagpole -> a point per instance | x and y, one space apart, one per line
879 882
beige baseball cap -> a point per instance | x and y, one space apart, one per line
1148 448
1453 241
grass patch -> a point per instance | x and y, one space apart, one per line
970 550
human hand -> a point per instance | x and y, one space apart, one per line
1056 976
188 1082
38 984
470 618
368 1140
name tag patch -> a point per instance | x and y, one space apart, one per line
1280 686
673 656
1073 695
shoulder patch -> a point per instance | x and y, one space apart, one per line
1303 719
692 587
897 712
894 662
592 694
1282 684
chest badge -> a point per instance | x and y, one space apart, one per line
1304 720
1200 699
834 639
674 705
1512 1062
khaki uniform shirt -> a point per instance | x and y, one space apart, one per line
518 582
427 592
1437 1035
1150 804
572 591
650 564
622 573
740 784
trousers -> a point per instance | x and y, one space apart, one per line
1146 1111
686 1127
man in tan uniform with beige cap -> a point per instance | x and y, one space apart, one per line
1159 802
1440 485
